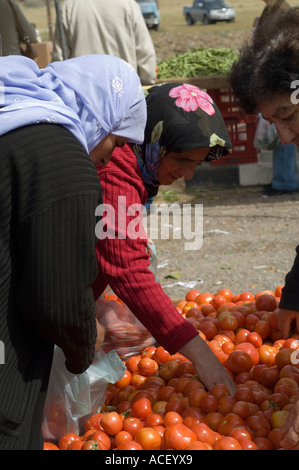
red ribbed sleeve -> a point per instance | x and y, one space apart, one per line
123 262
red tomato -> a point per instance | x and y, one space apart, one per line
122 436
204 298
132 363
132 425
101 438
249 349
147 366
50 446
66 439
267 354
229 422
258 425
218 300
192 294
129 445
239 361
209 403
148 438
204 433
153 419
168 370
246 296
141 408
94 422
177 437
266 302
172 417
247 444
197 445
227 443
226 293
219 391
255 339
111 423
161 355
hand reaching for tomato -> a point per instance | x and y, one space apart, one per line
285 318
208 367
291 428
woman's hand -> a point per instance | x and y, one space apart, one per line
285 318
291 429
208 367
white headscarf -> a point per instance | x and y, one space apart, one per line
92 96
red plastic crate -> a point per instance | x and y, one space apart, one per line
241 128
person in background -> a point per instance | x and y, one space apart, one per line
265 79
184 128
285 172
114 27
10 37
56 124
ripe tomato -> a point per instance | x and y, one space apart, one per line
132 363
263 329
204 298
266 302
218 300
125 380
226 293
238 361
132 425
249 349
209 328
148 438
226 404
66 439
283 357
229 422
160 355
50 446
246 296
206 309
147 366
267 354
153 419
93 422
204 433
168 370
172 417
191 295
227 443
247 444
111 423
258 425
209 403
255 339
228 321
129 445
197 445
219 391
102 438
122 436
244 409
141 408
177 437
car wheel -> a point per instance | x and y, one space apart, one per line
189 19
206 20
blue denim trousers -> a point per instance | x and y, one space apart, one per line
285 172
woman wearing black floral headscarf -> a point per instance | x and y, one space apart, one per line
184 128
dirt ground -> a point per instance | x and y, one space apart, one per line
248 241
169 44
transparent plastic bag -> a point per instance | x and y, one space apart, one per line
123 331
266 137
71 398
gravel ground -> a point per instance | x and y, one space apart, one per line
248 241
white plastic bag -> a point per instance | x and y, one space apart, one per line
266 137
71 398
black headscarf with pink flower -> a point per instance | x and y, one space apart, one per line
180 117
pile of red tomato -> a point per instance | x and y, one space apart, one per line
160 403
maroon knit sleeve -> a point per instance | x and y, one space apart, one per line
123 263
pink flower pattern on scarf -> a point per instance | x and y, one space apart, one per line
189 97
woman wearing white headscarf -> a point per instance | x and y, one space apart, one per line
55 124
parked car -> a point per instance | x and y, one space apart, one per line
150 12
209 11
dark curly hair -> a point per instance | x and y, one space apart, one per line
270 62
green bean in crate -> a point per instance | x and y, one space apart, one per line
198 63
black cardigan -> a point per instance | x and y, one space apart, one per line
49 190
